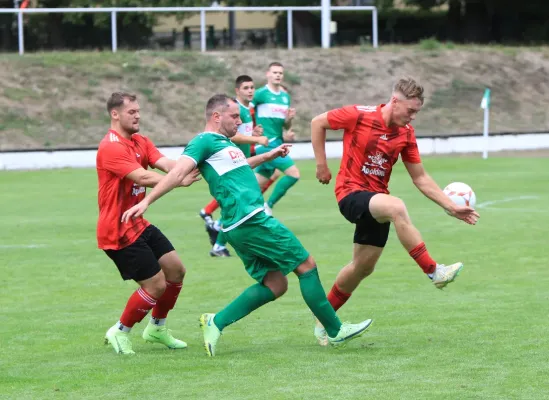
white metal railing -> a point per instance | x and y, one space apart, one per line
325 13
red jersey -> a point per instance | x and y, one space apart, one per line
116 158
370 149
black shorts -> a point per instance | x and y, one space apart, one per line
139 260
355 207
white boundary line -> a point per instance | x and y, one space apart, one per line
22 246
506 200
300 151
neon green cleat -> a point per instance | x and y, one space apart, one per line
119 340
211 333
348 332
446 274
160 334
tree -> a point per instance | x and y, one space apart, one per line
493 20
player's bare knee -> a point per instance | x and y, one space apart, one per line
281 287
155 286
172 267
295 175
177 274
278 284
305 266
310 262
398 209
293 171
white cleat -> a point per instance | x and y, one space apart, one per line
321 335
349 332
444 275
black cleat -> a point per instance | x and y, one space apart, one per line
209 225
212 233
220 253
206 217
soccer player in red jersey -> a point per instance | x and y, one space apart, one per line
374 137
140 251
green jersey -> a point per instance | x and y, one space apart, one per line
246 128
271 109
230 178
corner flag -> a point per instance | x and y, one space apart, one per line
485 103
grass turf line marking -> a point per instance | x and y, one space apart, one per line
506 200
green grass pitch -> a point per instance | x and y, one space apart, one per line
484 337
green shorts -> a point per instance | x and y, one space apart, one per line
267 169
264 244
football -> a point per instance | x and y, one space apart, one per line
461 194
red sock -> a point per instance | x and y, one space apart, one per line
423 259
167 301
337 298
211 207
267 185
139 304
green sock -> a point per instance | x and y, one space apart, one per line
315 297
221 239
281 188
249 300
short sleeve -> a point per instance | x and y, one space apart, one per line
153 154
410 153
116 158
258 97
199 148
343 118
289 98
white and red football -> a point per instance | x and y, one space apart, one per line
461 194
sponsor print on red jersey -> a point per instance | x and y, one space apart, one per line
370 149
116 158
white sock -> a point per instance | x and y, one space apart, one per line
123 327
218 247
158 321
207 219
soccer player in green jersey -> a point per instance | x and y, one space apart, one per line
246 136
268 249
273 112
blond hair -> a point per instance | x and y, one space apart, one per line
409 88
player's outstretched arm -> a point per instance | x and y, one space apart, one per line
182 174
319 125
164 164
427 185
280 151
243 139
145 177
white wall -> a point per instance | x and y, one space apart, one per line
300 151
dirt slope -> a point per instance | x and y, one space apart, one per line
54 100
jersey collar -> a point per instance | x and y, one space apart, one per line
248 107
122 138
272 91
380 117
218 134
